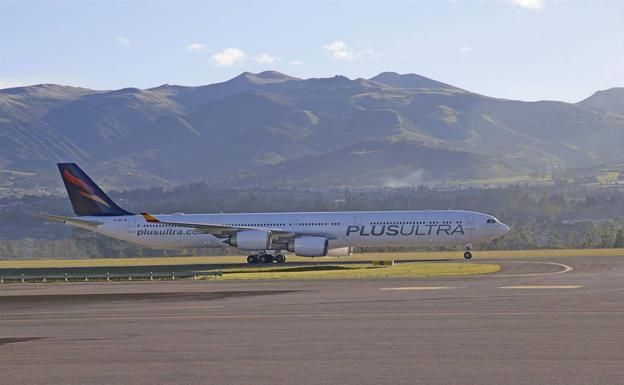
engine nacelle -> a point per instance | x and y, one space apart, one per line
309 246
341 252
253 240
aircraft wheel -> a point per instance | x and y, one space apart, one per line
266 258
280 258
252 259
467 255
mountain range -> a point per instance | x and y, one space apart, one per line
269 129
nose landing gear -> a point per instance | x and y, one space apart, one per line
468 252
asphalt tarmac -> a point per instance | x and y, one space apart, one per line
550 321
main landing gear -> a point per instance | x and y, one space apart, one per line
266 258
468 252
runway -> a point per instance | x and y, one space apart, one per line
538 321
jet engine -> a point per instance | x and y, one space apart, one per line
340 252
309 246
251 240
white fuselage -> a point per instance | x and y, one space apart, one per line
345 229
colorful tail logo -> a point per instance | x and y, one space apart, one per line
86 197
86 191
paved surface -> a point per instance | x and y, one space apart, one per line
536 322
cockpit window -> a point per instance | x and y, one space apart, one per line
491 220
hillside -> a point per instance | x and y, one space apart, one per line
611 100
274 129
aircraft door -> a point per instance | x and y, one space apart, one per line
132 225
469 227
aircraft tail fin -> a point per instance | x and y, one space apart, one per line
86 197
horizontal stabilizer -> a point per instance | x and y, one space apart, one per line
70 220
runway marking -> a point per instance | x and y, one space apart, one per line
419 288
300 315
542 287
566 269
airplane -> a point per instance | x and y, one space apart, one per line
268 236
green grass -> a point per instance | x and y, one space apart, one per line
608 177
360 257
505 180
418 269
409 264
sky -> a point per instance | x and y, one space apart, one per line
516 49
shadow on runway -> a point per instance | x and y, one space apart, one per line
5 341
28 301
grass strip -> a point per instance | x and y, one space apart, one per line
363 257
418 269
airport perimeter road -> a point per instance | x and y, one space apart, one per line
557 321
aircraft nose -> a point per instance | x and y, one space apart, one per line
504 229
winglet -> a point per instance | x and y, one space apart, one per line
150 218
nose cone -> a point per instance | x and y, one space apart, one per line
503 229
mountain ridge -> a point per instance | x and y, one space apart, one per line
610 100
257 127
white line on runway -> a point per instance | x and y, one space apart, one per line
419 288
301 315
566 269
542 287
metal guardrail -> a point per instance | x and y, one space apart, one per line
23 278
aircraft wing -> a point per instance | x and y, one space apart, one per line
226 231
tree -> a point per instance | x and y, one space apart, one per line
588 241
619 239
